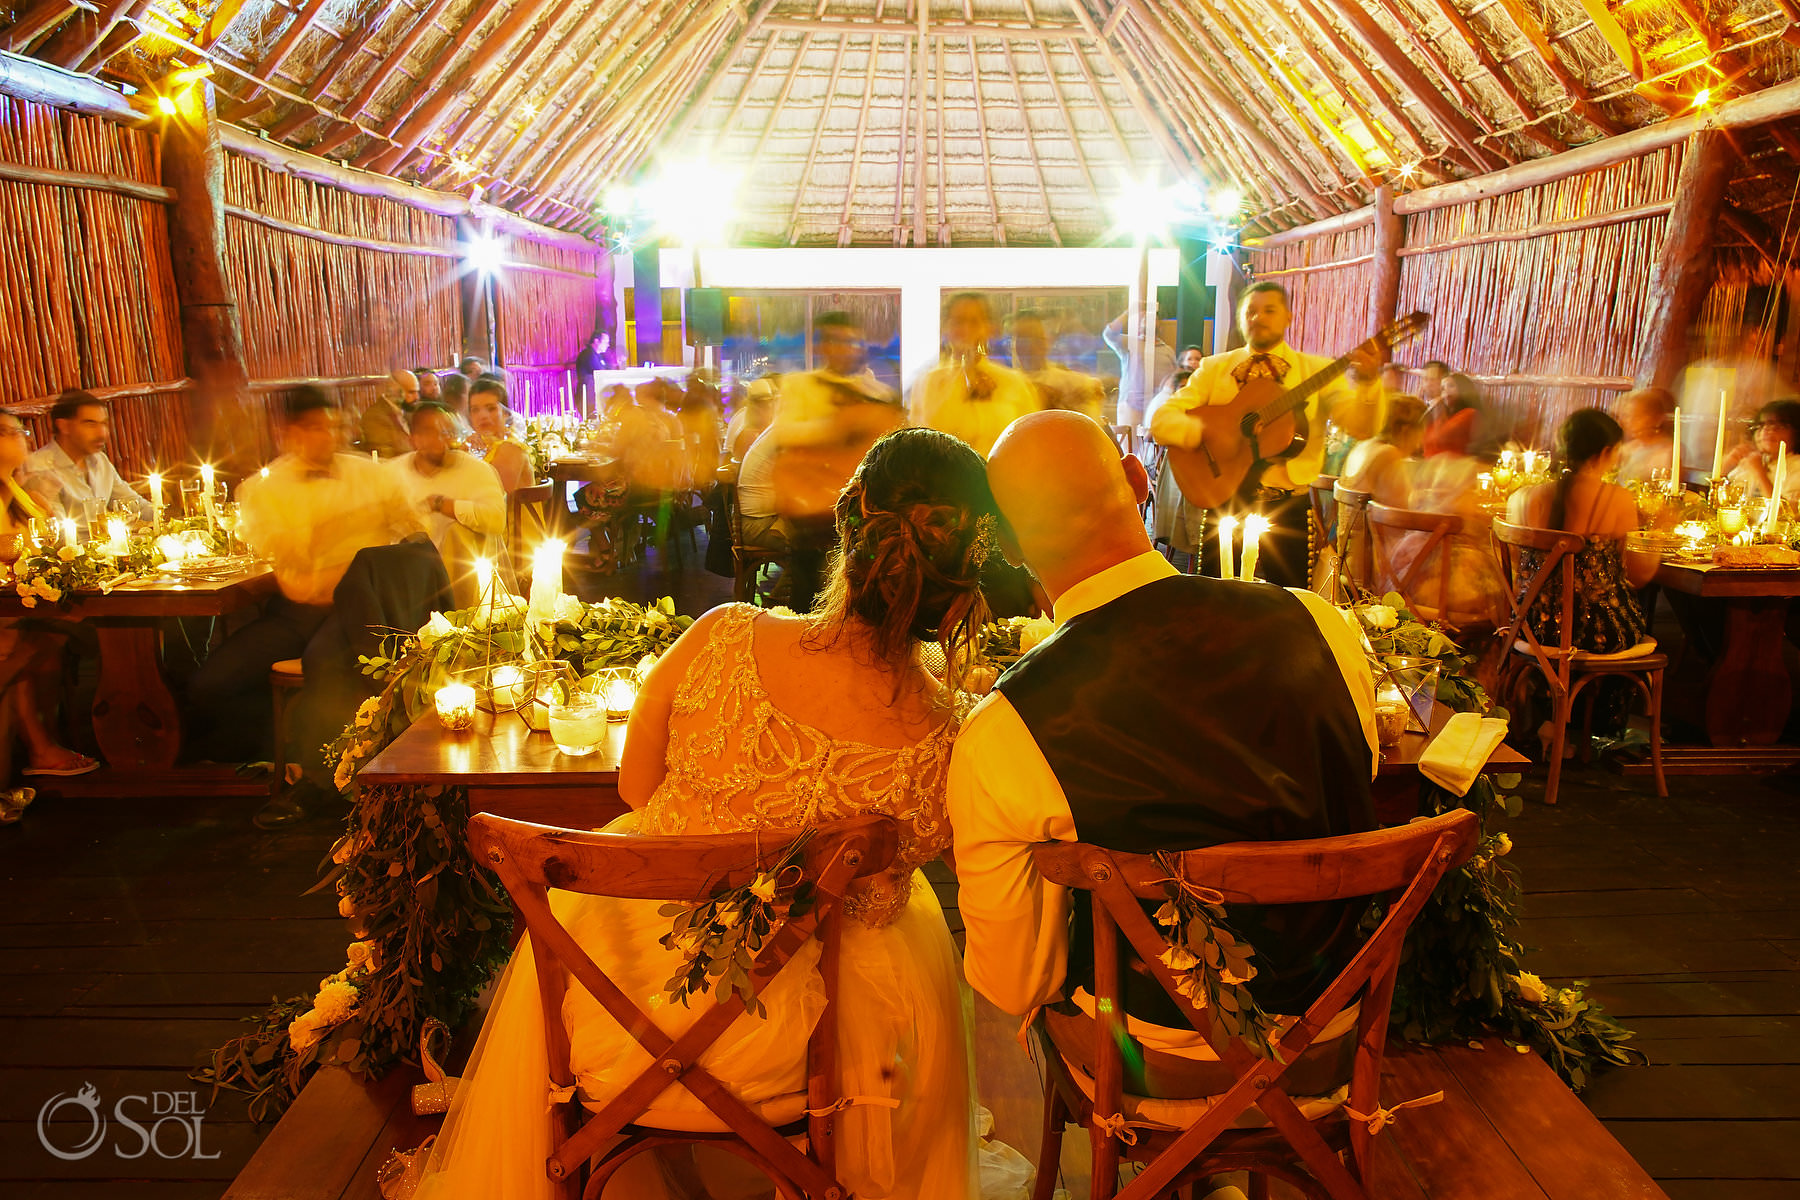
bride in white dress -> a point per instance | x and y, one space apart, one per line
757 722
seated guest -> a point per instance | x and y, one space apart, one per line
309 516
382 429
72 474
1752 463
1607 616
430 390
493 440
750 418
1644 416
471 368
453 394
1457 423
1476 594
969 394
649 443
458 496
31 651
615 397
1162 680
1383 465
1190 358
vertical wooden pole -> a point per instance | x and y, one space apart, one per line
1684 268
221 421
1384 281
1788 362
646 299
474 288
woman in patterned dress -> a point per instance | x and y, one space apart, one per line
758 722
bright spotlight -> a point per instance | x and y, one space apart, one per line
1702 97
619 201
484 254
1226 202
165 106
687 200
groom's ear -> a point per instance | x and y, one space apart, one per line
1136 476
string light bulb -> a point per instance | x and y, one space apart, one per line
1408 170
165 106
528 110
1702 98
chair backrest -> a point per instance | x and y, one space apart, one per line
1324 507
530 859
1388 524
1353 534
1524 591
1403 864
528 522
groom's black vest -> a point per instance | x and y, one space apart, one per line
1191 712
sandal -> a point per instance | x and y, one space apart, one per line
75 764
13 804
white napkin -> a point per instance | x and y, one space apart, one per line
1459 751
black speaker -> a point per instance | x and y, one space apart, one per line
705 316
1166 301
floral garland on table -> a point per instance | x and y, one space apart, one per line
431 927
54 575
1462 975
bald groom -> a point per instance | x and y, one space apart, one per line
1166 712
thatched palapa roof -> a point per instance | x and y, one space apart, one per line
875 122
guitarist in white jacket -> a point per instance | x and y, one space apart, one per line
1279 494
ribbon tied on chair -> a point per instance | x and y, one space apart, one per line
1381 1118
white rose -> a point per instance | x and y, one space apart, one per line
763 888
1531 989
1179 958
1380 616
1035 631
439 626
1502 846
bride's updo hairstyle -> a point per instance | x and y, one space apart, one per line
915 524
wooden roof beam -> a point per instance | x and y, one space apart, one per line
618 105
691 114
1502 80
610 47
825 103
1030 144
271 61
1415 33
1152 119
472 113
1412 81
35 22
1225 109
1254 58
81 36
340 61
945 29
1062 107
1397 116
386 64
915 61
397 57
1350 100
987 154
1580 98
410 126
856 149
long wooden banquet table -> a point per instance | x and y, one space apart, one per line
1747 691
137 723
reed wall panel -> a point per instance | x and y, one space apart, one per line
546 317
1555 305
314 308
1328 283
87 298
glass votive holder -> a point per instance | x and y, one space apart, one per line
617 689
547 683
509 686
455 704
1731 521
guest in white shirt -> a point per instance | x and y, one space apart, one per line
1150 719
447 488
969 394
73 474
309 516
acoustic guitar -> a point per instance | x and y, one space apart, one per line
1263 424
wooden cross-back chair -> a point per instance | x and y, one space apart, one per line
1433 558
1565 668
1352 536
747 561
530 859
1402 865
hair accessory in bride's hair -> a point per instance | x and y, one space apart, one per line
983 545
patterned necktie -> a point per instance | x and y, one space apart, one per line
1260 366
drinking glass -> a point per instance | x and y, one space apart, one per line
578 723
191 505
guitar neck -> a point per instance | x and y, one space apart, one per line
1301 392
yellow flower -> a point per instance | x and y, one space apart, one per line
1236 980
1035 631
1179 958
1380 616
1531 989
66 553
728 916
763 888
361 956
336 1001
29 601
1502 846
347 906
305 1031
367 711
